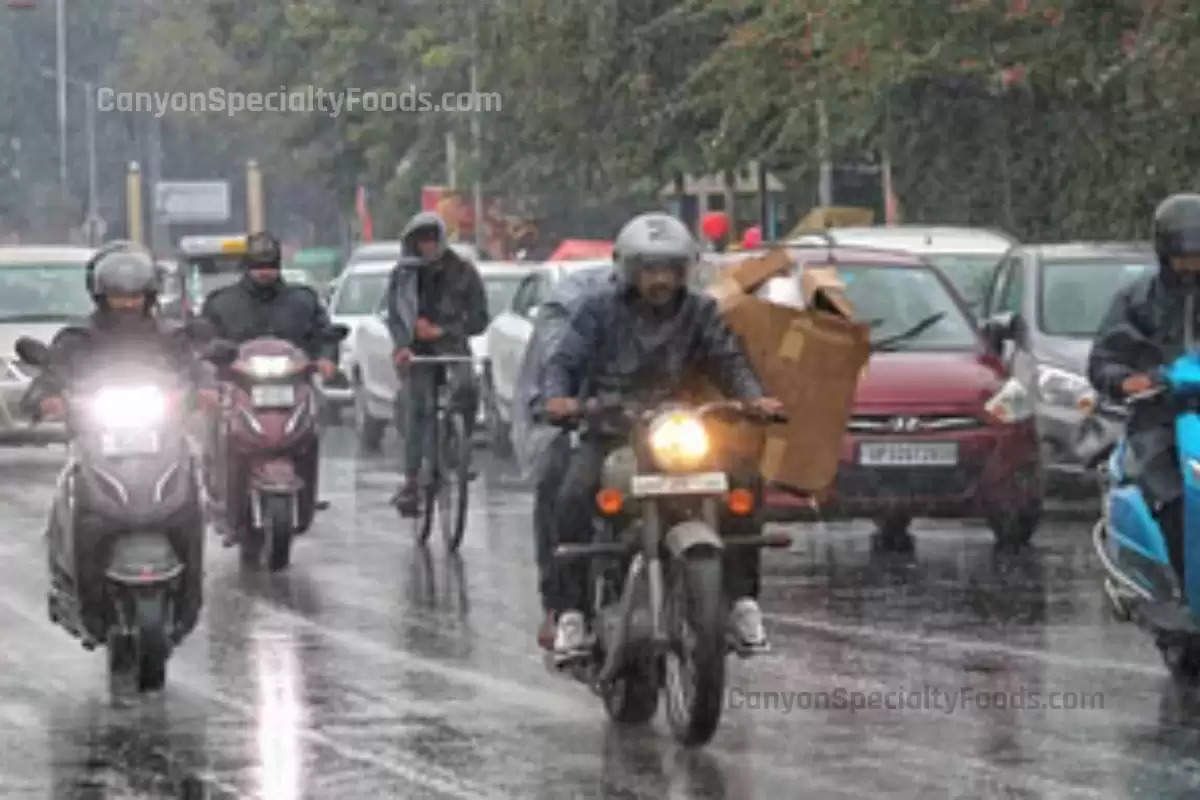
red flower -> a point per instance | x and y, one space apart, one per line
1011 76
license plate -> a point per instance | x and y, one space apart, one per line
908 454
129 443
699 483
273 395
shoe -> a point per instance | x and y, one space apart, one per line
570 637
746 627
405 500
545 636
321 505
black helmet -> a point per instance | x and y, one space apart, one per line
1177 228
128 270
262 250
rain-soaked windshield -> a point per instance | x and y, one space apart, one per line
43 293
1075 295
971 275
908 308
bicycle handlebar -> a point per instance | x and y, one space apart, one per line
430 360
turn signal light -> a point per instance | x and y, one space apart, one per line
741 502
610 501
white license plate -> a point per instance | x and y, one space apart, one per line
132 442
699 483
273 395
908 454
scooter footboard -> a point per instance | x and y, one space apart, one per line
1136 544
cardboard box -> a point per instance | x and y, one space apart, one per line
810 359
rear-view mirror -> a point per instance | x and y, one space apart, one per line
1004 327
33 352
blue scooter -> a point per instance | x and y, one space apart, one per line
1140 582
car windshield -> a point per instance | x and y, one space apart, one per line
1075 295
500 290
43 292
361 293
908 308
206 274
971 274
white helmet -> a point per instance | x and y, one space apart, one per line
654 239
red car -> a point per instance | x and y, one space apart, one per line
938 428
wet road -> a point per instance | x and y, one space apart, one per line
374 669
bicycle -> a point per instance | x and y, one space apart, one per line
446 479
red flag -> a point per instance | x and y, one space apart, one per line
364 216
891 203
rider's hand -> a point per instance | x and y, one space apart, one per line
426 331
1138 383
52 407
562 407
326 367
208 398
402 356
769 406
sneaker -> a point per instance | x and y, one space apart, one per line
570 636
746 627
405 499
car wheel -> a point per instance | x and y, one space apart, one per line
1014 529
370 430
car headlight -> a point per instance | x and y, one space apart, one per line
678 441
1058 387
129 407
1011 404
269 366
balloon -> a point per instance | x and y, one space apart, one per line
752 238
715 225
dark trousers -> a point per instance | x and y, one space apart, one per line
1152 463
420 383
545 501
574 519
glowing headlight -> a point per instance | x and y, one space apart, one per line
269 366
1061 388
129 407
678 440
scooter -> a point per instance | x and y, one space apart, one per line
270 413
126 531
1140 582
658 605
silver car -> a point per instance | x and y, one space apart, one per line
41 290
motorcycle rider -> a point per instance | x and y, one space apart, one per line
635 340
1144 330
124 282
451 307
262 304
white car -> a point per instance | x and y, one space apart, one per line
41 290
967 256
357 295
376 383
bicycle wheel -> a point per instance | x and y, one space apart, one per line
452 499
427 495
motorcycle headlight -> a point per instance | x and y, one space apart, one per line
1058 387
129 407
1011 404
269 366
678 441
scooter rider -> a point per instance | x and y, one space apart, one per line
1144 330
451 307
262 304
123 280
639 339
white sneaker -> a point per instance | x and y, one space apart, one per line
746 624
570 636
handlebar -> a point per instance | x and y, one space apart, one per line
599 407
431 360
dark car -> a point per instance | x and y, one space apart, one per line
1049 299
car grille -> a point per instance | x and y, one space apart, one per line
880 483
909 424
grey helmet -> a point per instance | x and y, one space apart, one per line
654 239
129 270
424 222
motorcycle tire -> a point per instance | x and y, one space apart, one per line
427 499
277 519
1182 659
695 599
455 489
632 699
151 644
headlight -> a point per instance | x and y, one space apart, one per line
1066 389
269 366
678 441
129 407
1011 404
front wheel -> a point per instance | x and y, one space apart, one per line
277 522
453 495
142 655
632 699
695 663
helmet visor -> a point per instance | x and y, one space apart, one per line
651 263
1185 242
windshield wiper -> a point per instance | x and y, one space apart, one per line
911 333
42 317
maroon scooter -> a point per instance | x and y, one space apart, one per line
268 435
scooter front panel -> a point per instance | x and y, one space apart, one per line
1183 376
1187 439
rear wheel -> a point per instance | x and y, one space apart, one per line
695 663
632 699
453 495
277 520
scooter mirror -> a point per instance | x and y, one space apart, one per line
31 351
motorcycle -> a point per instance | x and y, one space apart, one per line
655 564
1141 584
269 424
126 530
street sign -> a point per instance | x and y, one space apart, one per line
192 201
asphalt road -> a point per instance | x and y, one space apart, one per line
374 669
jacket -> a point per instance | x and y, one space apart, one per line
244 311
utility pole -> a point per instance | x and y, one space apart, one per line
133 202
451 160
92 211
60 25
476 134
159 234
254 199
